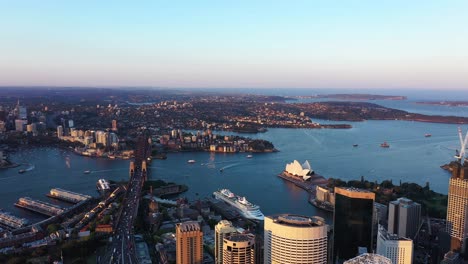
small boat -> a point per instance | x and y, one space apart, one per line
22 171
355 145
384 145
249 156
221 170
427 135
191 161
87 172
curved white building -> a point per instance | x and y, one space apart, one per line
222 230
295 239
296 169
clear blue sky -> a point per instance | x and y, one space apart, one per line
291 44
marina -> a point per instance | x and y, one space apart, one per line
67 196
39 207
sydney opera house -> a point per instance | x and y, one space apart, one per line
296 169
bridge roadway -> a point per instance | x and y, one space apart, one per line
122 248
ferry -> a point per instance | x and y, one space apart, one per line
355 145
384 145
427 135
249 156
191 161
244 207
22 171
87 172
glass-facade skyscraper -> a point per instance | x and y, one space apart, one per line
352 222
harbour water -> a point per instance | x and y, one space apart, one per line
412 157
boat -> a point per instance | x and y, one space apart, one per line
249 156
355 145
427 135
240 203
87 172
191 161
22 171
384 145
103 185
221 170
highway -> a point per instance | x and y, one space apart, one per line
122 248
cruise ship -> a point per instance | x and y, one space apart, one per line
244 207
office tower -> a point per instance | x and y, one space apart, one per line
451 258
23 113
114 125
20 124
295 239
404 217
353 219
369 258
457 209
239 249
398 249
71 123
223 229
189 239
59 131
2 126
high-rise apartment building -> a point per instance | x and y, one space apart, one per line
189 243
353 222
223 229
239 249
404 217
457 209
295 239
398 249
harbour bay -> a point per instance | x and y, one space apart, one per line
410 158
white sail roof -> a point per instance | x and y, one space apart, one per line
296 169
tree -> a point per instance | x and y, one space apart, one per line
52 228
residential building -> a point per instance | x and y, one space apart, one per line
457 209
223 229
189 243
239 249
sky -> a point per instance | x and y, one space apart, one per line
235 44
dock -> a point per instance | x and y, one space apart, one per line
12 222
308 185
67 196
39 207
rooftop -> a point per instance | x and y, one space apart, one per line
189 226
298 220
369 259
240 237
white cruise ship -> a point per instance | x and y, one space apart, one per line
244 207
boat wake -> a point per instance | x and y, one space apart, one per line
229 166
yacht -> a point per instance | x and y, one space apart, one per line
87 172
191 161
385 145
240 203
249 156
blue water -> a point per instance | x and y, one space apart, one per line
411 157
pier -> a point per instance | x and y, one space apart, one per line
10 221
39 207
67 196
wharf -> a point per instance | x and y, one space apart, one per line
308 185
39 207
67 196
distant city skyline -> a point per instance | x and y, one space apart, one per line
243 44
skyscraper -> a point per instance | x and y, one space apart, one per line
239 249
404 217
223 229
295 239
399 250
369 258
189 243
353 219
59 131
457 209
114 125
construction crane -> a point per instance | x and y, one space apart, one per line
460 156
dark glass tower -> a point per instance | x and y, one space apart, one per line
352 222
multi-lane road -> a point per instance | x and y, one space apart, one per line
122 248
